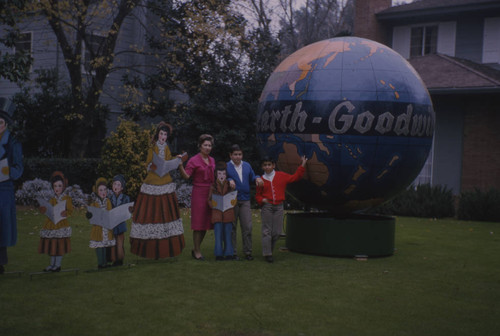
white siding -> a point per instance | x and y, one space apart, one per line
446 38
491 40
401 40
425 175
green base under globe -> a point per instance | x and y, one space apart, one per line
352 236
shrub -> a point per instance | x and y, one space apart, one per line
124 152
480 205
31 190
82 172
183 191
44 121
423 200
40 122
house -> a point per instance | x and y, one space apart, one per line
454 45
38 38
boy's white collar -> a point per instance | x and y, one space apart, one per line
237 165
269 176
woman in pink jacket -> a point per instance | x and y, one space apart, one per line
200 168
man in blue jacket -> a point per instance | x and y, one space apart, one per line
240 175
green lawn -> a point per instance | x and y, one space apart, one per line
444 279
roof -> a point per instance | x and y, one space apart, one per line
440 8
446 74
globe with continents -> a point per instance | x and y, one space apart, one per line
358 111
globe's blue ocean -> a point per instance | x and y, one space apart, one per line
358 110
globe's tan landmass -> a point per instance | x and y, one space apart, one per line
303 59
290 160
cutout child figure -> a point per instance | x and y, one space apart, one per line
222 220
55 237
157 231
271 196
11 168
117 198
100 237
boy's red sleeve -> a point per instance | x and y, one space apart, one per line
299 173
258 194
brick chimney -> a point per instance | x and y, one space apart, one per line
365 22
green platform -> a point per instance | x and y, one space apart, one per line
352 236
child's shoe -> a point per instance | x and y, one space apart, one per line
269 259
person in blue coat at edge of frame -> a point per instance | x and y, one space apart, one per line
11 169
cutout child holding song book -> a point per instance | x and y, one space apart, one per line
117 198
222 201
55 235
101 237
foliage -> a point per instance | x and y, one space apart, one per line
75 24
38 188
423 200
183 191
39 121
13 66
212 78
316 20
82 172
479 205
124 152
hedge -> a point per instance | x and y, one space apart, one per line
82 172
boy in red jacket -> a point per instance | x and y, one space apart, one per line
271 196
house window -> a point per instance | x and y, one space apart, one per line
423 40
92 51
23 43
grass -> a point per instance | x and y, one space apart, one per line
444 279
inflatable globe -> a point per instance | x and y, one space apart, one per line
358 111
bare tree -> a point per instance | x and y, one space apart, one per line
13 66
316 20
74 23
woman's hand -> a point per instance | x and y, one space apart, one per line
183 172
183 157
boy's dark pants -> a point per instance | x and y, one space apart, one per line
272 225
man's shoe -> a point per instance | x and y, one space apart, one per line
249 257
269 259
